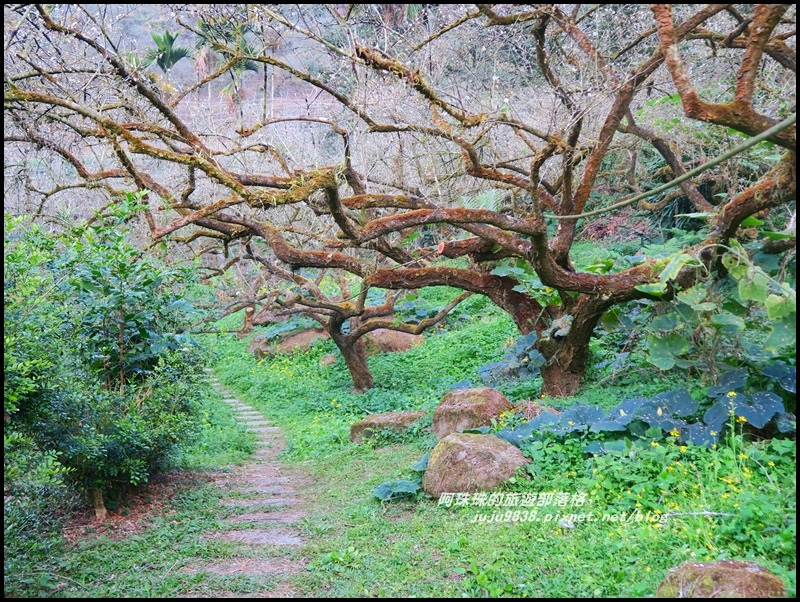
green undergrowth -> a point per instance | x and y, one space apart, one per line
606 526
143 557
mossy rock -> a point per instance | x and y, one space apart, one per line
722 579
384 340
463 462
462 409
394 421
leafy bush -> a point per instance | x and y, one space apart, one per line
748 318
100 377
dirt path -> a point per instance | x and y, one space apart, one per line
266 508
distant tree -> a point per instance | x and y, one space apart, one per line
166 54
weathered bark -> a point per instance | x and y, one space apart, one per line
566 354
354 353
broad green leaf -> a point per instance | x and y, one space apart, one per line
784 334
728 323
393 490
751 222
760 409
729 382
666 322
778 235
663 350
422 464
674 267
693 295
655 288
785 375
779 307
755 286
504 270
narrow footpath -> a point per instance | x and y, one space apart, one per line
266 502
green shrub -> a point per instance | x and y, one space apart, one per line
99 371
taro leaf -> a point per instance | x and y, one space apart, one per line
784 374
623 413
487 370
718 414
637 428
462 384
687 315
761 409
728 323
667 424
607 425
514 437
730 381
653 432
504 270
784 334
786 423
537 360
480 430
518 436
421 465
660 411
674 267
734 307
577 417
664 349
693 295
677 402
526 341
610 320
601 448
395 490
617 363
700 434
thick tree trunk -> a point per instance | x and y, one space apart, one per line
566 361
355 356
567 355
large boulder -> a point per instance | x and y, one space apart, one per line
462 409
372 425
383 340
261 346
721 579
463 462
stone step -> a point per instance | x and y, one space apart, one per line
275 537
244 566
268 490
268 502
285 516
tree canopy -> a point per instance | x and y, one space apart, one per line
451 145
